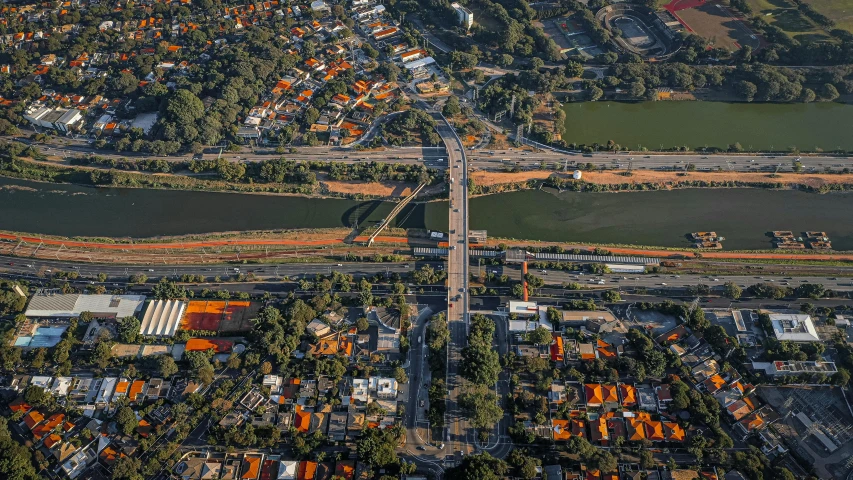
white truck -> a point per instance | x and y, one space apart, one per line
436 235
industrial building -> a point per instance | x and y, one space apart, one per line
47 304
162 318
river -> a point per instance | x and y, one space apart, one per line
659 218
699 124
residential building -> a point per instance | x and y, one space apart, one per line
465 16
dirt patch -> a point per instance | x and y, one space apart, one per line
649 176
718 24
485 178
375 189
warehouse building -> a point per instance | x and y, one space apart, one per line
162 318
48 304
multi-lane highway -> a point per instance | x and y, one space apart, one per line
490 159
457 286
18 267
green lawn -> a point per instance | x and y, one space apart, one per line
840 11
786 16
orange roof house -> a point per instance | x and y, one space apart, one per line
557 348
674 432
579 428
136 390
714 383
739 409
52 440
33 418
345 469
629 395
109 455
598 430
654 431
594 394
609 392
636 430
45 428
753 421
302 420
251 467
605 350
560 429
19 405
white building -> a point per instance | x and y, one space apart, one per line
793 367
793 327
46 304
465 16
288 469
162 318
384 387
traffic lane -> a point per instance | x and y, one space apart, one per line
35 266
555 277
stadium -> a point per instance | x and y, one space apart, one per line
638 29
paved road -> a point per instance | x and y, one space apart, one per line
486 159
457 286
626 280
37 268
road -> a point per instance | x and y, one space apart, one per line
31 267
459 431
662 281
486 159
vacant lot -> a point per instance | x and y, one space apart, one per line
650 176
840 11
718 24
785 15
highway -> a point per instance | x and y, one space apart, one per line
487 159
30 268
457 286
664 281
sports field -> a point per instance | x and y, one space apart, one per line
717 23
219 316
840 11
785 15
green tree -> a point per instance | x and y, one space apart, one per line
15 460
480 405
126 420
595 93
183 108
540 336
377 447
611 296
362 324
167 366
128 468
400 375
479 467
128 329
732 290
166 289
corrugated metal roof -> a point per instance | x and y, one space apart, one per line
51 302
72 305
162 318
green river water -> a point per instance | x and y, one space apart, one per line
660 218
756 126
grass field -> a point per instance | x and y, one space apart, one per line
785 15
718 25
840 11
